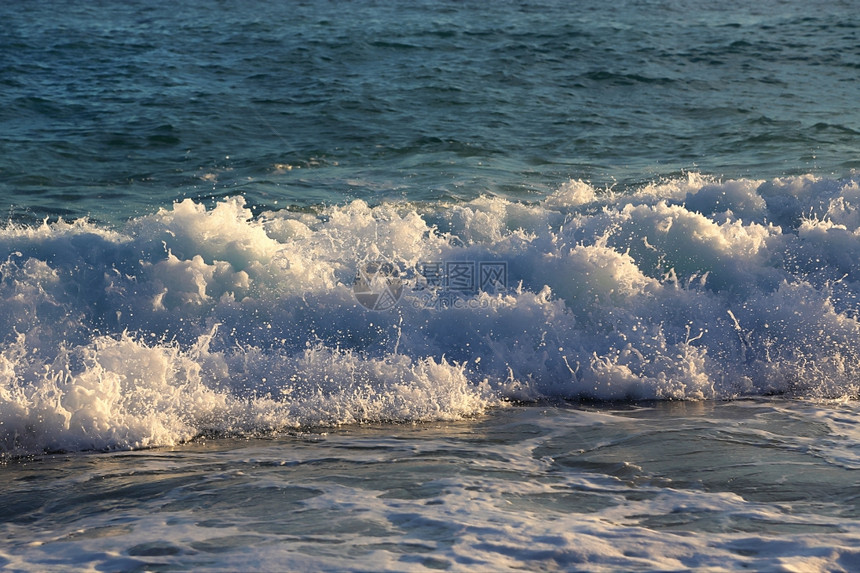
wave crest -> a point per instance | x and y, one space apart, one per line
191 321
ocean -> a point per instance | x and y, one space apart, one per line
429 285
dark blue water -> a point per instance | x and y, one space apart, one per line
113 109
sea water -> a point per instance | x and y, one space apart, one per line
429 285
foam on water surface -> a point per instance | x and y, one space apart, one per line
193 320
657 486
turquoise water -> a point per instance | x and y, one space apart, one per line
404 286
113 109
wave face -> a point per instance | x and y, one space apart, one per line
192 321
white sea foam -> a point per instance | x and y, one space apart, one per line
191 320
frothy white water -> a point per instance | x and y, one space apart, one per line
191 320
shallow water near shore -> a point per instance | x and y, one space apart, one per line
765 484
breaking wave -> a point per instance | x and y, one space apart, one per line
194 320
